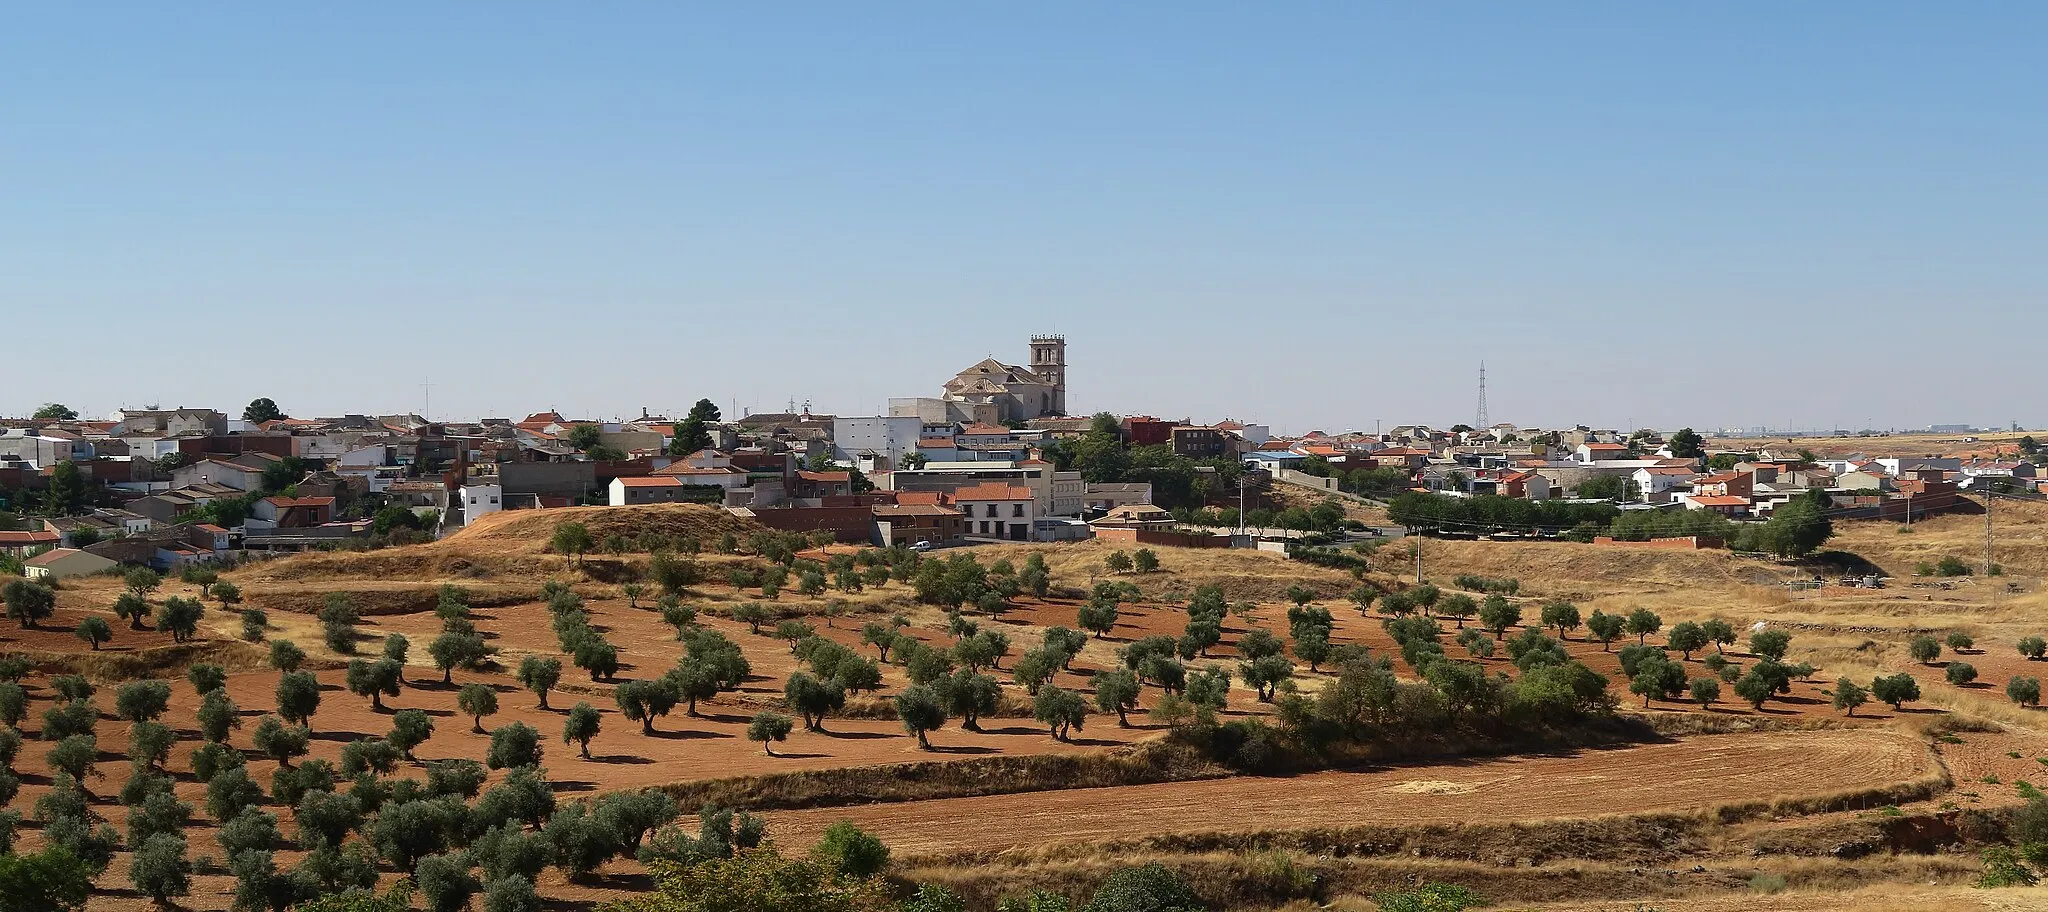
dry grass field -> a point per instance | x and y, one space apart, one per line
1798 753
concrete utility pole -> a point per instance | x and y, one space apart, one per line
1417 548
1989 495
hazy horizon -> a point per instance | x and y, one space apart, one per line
1316 218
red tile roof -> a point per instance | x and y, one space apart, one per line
656 481
28 539
50 557
1729 501
992 491
825 477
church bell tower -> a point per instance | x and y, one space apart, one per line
1049 360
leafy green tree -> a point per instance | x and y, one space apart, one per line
52 879
73 687
410 830
813 699
1642 622
1148 888
1117 692
693 433
646 701
1098 616
1959 641
513 746
141 701
1895 689
2033 647
28 602
254 622
852 851
158 867
262 410
1498 614
1924 649
1605 627
572 540
1770 644
1686 636
375 680
445 882
1060 709
298 697
477 701
93 630
1800 526
452 650
279 741
1562 615
921 711
75 755
410 728
1145 561
1756 688
1961 673
180 617
768 728
338 619
539 674
1266 674
217 716
2024 691
1117 562
230 792
65 495
132 608
149 744
1686 444
580 726
1705 691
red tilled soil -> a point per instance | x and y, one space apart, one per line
714 745
1696 773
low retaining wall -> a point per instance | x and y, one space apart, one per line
1166 539
1684 543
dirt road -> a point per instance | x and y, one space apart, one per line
1692 773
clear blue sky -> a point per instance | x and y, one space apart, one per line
1316 216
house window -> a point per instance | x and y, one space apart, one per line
1016 509
991 510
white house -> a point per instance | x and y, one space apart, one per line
997 510
1589 453
649 490
876 443
1900 466
1657 482
480 500
59 563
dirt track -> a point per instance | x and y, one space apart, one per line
1677 776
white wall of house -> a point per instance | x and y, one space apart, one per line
890 438
480 501
1006 519
1896 466
364 457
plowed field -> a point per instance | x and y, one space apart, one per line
1662 777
